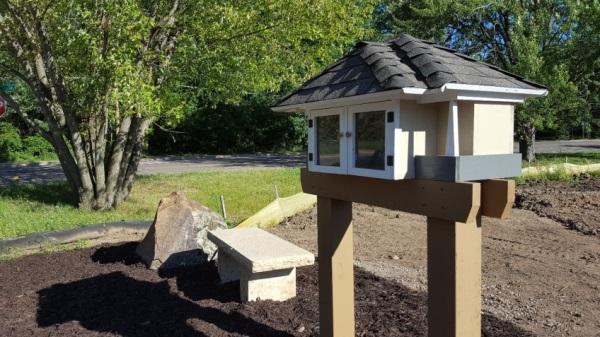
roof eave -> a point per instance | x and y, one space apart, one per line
351 100
492 89
449 91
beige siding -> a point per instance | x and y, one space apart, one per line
442 127
465 128
417 135
493 128
466 117
484 128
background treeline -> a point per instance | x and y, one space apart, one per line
221 103
244 127
556 43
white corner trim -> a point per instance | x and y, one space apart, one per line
452 130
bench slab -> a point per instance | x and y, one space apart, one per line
259 250
264 264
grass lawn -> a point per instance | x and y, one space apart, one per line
40 208
581 158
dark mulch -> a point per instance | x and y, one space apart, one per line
575 203
107 292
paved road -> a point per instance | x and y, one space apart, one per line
25 173
177 164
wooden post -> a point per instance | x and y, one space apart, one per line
336 267
454 278
454 211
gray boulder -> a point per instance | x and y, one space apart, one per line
178 235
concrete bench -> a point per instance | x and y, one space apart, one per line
264 264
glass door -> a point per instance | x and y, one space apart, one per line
327 145
328 140
371 142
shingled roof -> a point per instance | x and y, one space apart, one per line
403 62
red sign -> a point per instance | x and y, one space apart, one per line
2 106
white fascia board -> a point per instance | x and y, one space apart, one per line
466 92
493 89
490 97
352 100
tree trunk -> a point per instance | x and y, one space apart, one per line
527 143
99 152
109 167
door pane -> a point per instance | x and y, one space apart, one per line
328 141
370 140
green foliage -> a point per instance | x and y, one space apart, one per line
26 209
556 175
16 148
560 174
37 148
10 141
249 126
238 48
241 58
556 43
579 158
102 72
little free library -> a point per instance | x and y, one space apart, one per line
412 126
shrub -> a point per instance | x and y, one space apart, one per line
14 147
10 141
37 147
248 126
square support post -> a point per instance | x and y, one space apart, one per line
336 268
454 278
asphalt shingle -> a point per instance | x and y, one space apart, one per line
402 62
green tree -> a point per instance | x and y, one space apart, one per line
101 72
531 38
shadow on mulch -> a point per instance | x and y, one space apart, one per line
191 302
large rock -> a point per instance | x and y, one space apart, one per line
178 235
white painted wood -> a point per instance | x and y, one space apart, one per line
452 144
450 95
490 97
312 141
487 88
414 91
395 141
388 172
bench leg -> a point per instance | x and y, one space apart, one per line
454 278
276 285
229 269
336 268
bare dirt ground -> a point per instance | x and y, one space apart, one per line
537 275
575 204
106 291
539 279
